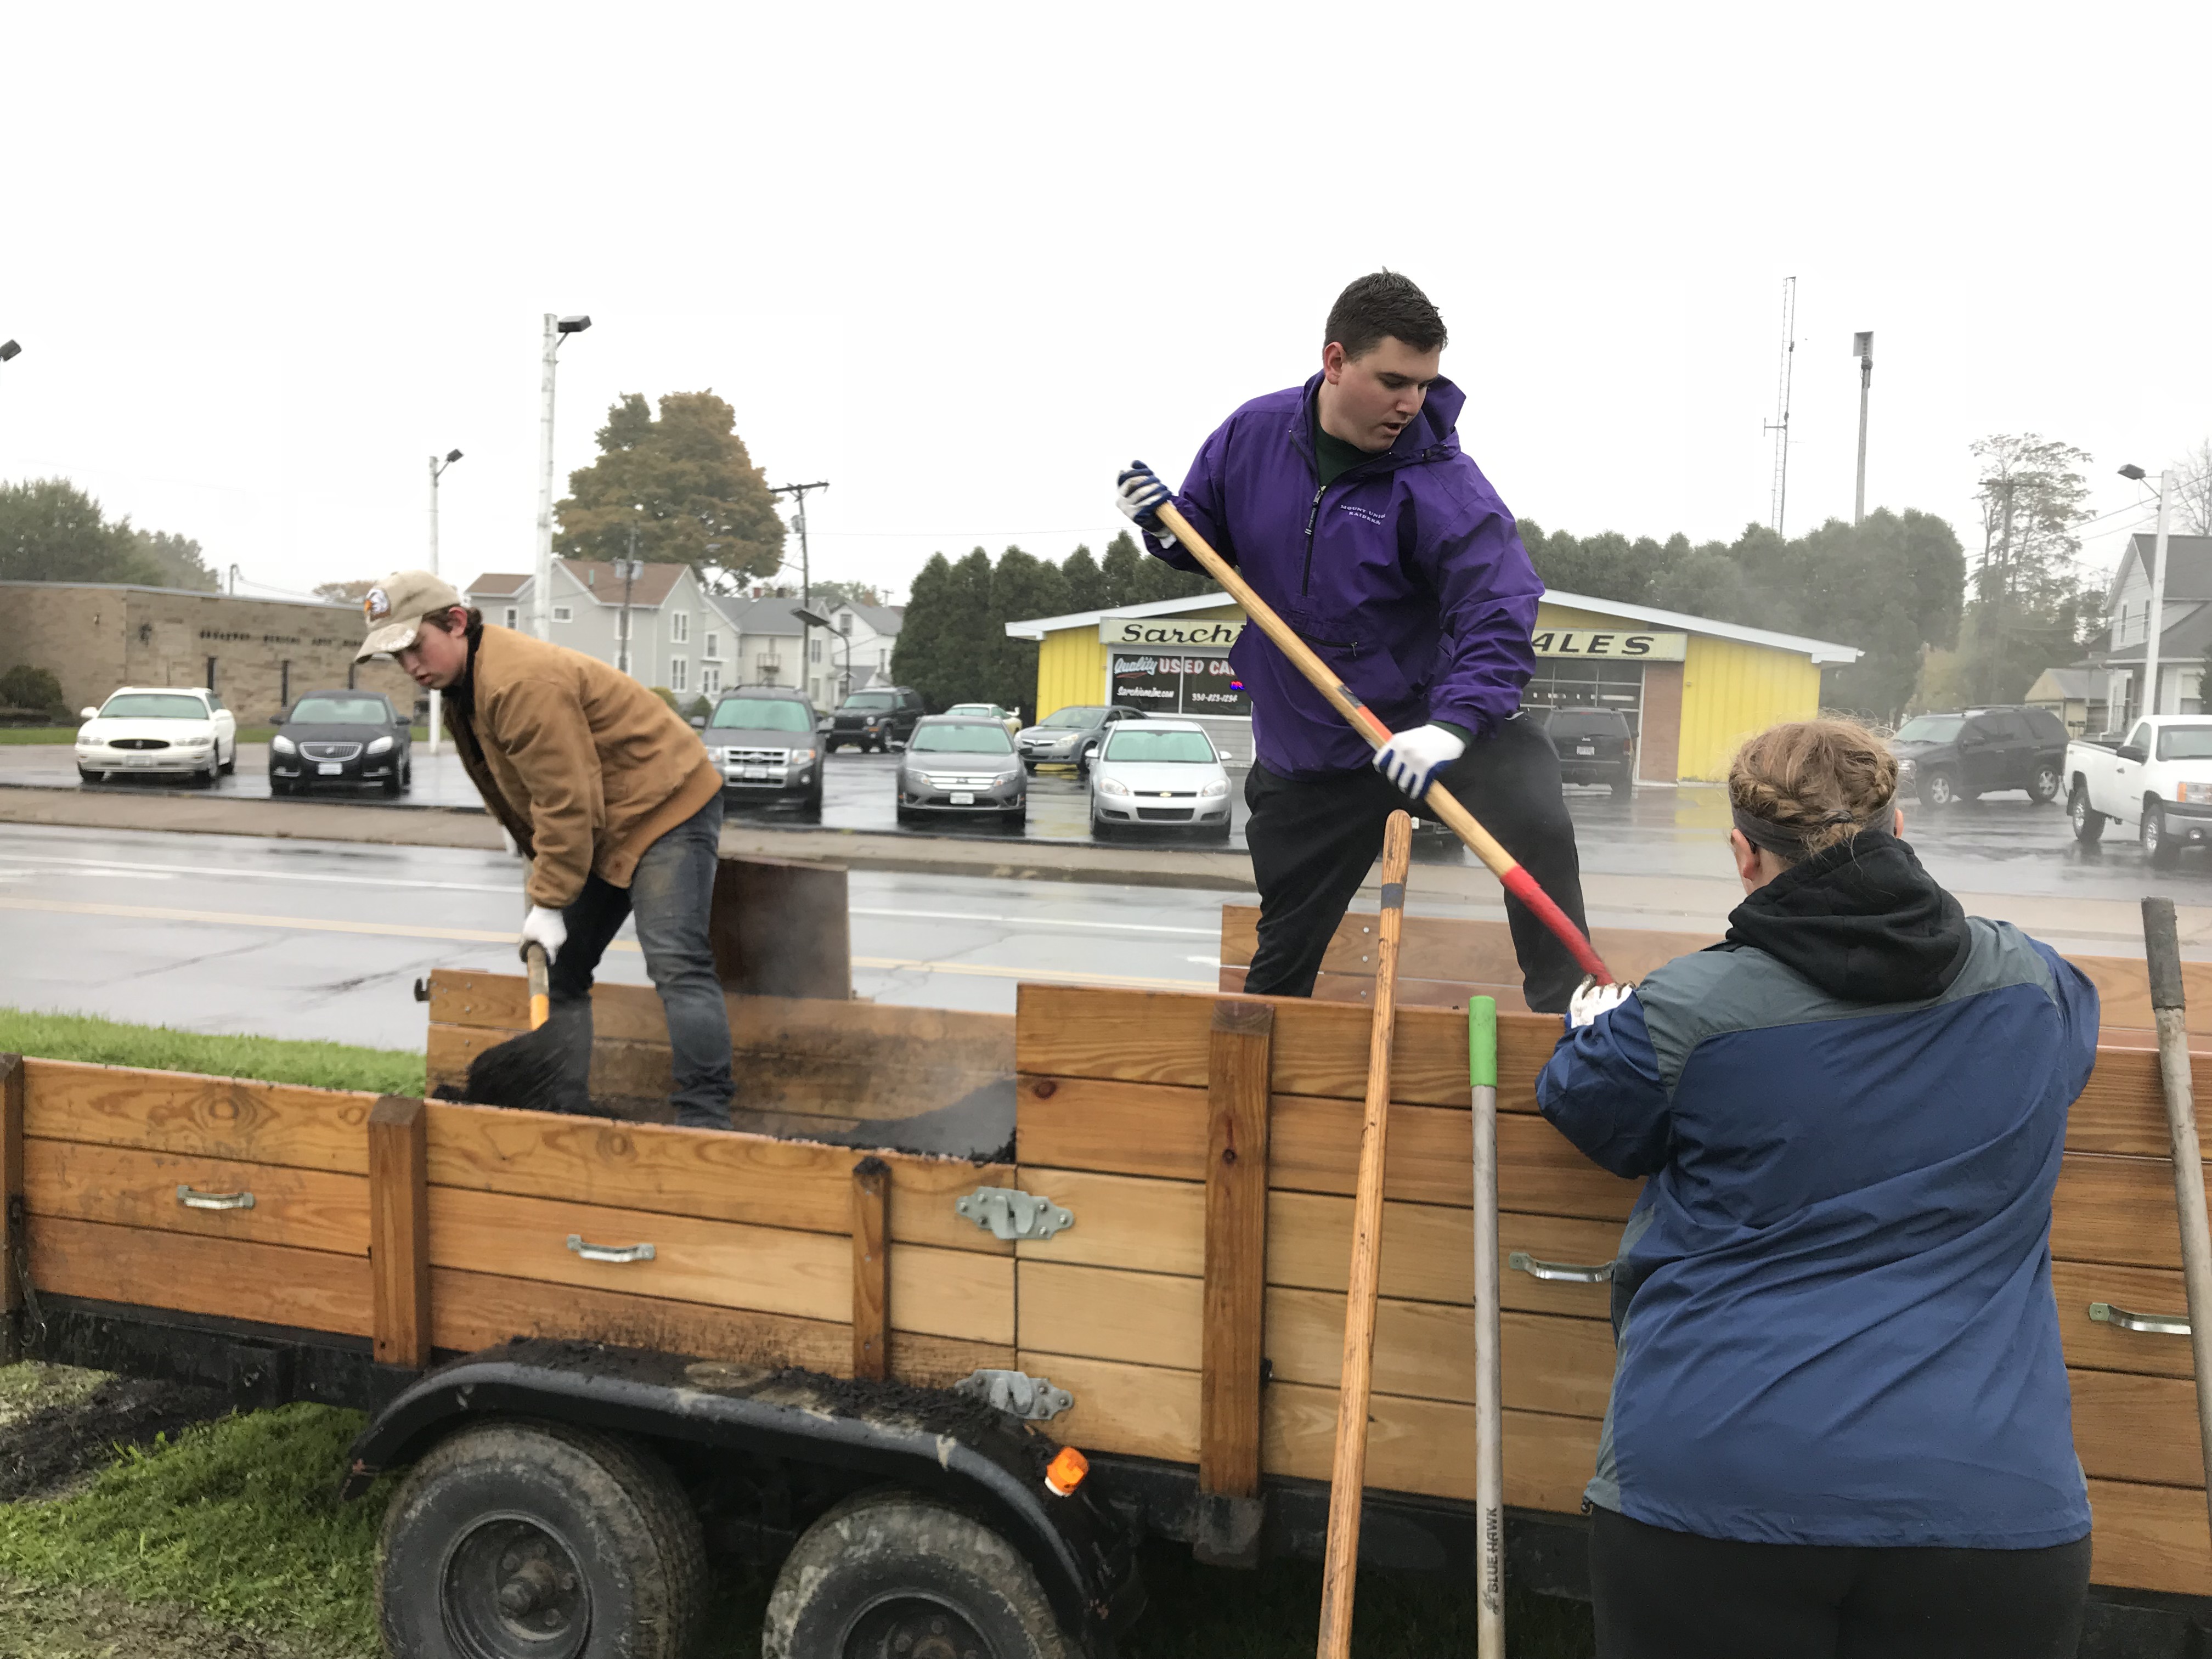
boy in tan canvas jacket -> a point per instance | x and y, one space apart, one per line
609 795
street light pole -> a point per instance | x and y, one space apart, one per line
1862 344
811 618
2157 619
805 574
437 467
541 604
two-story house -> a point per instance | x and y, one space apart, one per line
661 627
2184 639
867 634
766 649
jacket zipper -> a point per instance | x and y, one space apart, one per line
1313 507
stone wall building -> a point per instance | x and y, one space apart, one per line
259 654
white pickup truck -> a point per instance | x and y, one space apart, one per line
2158 779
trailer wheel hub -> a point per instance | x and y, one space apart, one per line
513 1591
911 1628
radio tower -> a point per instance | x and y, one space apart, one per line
1780 426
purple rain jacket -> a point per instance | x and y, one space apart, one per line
1406 574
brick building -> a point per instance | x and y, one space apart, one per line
258 653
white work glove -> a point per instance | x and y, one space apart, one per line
507 840
1591 999
1412 758
1140 495
544 926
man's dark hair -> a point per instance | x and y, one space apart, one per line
1384 304
443 620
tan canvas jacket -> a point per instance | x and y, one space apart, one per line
585 767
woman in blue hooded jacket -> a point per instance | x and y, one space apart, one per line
1840 1422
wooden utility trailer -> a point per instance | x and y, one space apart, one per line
1184 1288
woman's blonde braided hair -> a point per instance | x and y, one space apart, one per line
1821 781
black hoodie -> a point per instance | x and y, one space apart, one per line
1861 920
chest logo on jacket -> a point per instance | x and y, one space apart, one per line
1361 512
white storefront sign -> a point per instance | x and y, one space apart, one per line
1210 635
1614 643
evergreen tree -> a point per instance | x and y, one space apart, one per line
1021 588
918 657
1086 587
1118 573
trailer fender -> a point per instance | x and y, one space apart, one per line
937 1442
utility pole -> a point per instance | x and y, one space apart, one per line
541 599
806 575
1862 344
630 571
1780 426
437 467
2157 618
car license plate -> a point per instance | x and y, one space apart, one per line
328 768
964 798
138 760
1584 748
760 774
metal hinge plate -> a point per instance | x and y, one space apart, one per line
1033 1398
1010 1213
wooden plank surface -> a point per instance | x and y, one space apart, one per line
215 1116
955 1293
235 1278
127 1187
2117 1210
399 1232
780 925
1158 1130
2152 1538
2136 1428
478 1311
730 1178
1236 1252
870 1213
12 1214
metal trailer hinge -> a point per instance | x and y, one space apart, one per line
1033 1398
1010 1213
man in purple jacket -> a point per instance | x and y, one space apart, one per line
1347 504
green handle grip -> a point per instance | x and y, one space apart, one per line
1482 1041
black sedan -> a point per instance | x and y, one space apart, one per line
349 738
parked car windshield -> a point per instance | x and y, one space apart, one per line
1931 728
870 700
340 711
764 714
1073 718
961 740
1134 744
152 705
2184 743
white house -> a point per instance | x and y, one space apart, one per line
2185 641
676 638
861 652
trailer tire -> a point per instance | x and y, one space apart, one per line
515 1538
890 1563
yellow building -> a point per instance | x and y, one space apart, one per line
1691 689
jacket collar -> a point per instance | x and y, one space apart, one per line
1429 436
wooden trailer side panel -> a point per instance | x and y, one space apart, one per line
1112 1126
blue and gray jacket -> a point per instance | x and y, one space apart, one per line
1833 1303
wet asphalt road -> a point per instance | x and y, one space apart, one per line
325 939
2001 844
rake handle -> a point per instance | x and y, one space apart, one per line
541 993
1439 800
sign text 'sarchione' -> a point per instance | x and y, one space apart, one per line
1172 634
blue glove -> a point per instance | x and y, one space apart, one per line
1140 495
1414 757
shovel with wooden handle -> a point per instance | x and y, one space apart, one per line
1489 1413
1364 720
1348 1478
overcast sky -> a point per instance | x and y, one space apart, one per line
964 261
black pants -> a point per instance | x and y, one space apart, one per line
1313 841
1664 1594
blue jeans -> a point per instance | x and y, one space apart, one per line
670 894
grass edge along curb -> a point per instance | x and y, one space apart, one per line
162 1049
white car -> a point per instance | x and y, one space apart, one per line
987 711
2158 779
158 729
1159 774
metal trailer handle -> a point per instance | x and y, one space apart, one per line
192 1199
2157 1324
1559 1273
609 1252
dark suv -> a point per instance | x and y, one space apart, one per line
874 719
1594 745
761 740
1945 758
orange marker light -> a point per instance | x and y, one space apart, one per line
1066 1472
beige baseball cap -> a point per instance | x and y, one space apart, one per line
395 607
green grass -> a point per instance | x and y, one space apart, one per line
237 1519
271 1060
